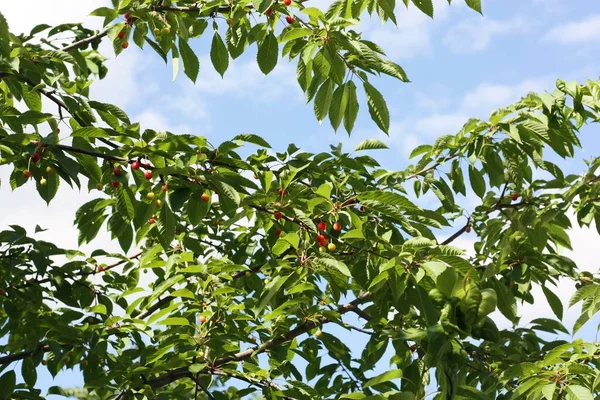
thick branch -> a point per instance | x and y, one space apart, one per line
87 40
92 153
24 354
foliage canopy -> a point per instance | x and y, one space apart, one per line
250 255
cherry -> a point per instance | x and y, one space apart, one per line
151 221
468 229
515 196
267 281
84 363
331 246
2 292
150 196
253 339
57 130
125 45
117 171
319 333
35 142
322 249
127 15
290 19
248 273
282 192
121 35
277 233
99 186
166 30
165 188
269 12
278 215
135 165
49 170
201 354
156 31
322 226
337 227
322 240
27 174
158 202
202 319
229 21
43 181
148 175
101 268
205 197
116 184
36 157
287 2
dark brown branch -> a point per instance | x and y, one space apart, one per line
183 372
87 40
433 166
456 235
92 153
24 354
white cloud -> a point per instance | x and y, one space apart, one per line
150 119
582 31
475 35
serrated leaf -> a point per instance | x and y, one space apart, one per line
371 144
339 102
174 321
382 378
377 107
475 5
295 33
352 107
219 54
332 263
268 53
191 65
425 5
323 100
90 132
477 182
554 302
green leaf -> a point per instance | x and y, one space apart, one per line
219 54
254 139
377 107
475 5
273 288
7 383
382 378
167 226
323 100
352 107
268 52
339 102
295 33
332 263
477 182
124 203
554 302
388 198
425 5
579 392
174 321
90 132
49 190
371 144
29 373
191 65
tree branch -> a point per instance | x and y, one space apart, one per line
87 40
183 372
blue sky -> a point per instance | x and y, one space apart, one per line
461 65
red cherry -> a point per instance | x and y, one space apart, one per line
290 19
278 215
151 221
322 226
515 196
121 35
125 45
36 157
468 229
115 184
287 2
269 12
135 165
27 174
322 240
127 15
117 171
205 197
337 227
148 175
277 233
282 192
165 188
